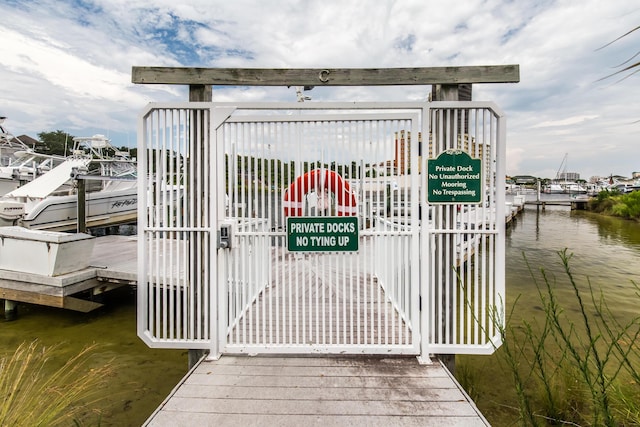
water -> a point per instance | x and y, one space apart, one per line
606 254
606 250
143 377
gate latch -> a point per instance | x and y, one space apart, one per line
224 236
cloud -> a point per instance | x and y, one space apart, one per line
67 63
565 122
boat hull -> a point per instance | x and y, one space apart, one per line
60 213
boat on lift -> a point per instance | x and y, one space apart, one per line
50 202
553 188
19 163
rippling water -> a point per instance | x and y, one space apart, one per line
606 252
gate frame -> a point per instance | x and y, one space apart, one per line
445 82
374 110
419 113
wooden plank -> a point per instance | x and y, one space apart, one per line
404 361
405 366
77 304
31 297
330 407
318 391
321 371
326 77
283 380
67 302
171 419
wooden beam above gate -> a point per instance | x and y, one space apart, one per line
326 77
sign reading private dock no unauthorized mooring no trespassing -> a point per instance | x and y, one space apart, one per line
322 234
454 177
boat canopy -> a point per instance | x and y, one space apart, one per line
57 176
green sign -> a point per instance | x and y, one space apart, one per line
454 177
322 234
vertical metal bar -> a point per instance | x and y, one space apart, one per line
209 235
272 171
443 247
143 280
198 206
244 316
169 212
183 223
261 274
193 224
156 219
176 204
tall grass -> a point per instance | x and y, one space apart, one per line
30 395
579 369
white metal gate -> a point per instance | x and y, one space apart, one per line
220 269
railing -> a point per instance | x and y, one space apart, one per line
175 237
463 244
246 271
393 263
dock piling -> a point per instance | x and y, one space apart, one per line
10 310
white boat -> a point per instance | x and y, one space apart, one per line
574 188
553 189
50 201
19 163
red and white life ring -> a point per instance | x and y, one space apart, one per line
293 199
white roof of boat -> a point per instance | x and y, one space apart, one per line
50 181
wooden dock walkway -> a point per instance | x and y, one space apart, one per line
317 391
575 204
113 263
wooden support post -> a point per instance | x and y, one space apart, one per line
200 93
10 310
82 206
449 92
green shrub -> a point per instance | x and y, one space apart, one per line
616 204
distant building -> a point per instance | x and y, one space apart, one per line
569 176
402 155
403 151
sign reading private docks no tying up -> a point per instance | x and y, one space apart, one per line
454 177
322 234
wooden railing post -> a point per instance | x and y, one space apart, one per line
81 225
200 93
449 92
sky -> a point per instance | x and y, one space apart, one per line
66 64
